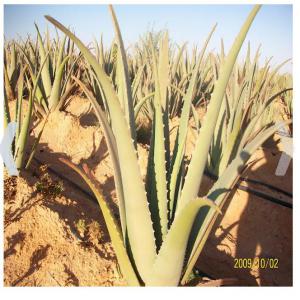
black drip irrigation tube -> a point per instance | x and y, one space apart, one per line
271 187
265 196
238 185
260 194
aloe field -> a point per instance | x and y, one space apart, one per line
162 165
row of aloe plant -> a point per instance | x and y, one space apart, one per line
248 108
62 66
42 73
183 68
30 53
141 75
24 119
160 82
56 84
163 223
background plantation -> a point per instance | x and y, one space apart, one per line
162 96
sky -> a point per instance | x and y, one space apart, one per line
272 27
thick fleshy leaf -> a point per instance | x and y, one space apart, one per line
169 262
124 81
163 69
141 103
138 219
46 70
56 88
137 80
60 53
179 148
6 111
18 114
112 148
158 200
112 226
198 162
23 136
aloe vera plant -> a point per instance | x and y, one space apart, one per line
183 73
55 86
141 77
24 124
11 69
163 224
248 109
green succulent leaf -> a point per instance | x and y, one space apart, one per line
198 162
56 88
111 223
138 219
46 70
169 262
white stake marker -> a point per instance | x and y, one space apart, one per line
5 149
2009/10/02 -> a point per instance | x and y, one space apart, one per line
256 262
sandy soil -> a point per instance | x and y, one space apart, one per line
55 236
252 227
54 240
